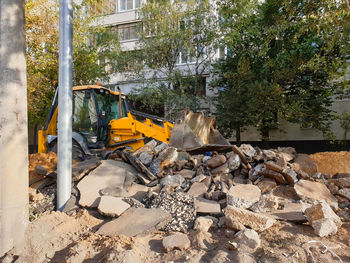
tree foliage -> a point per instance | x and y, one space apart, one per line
173 32
92 46
282 62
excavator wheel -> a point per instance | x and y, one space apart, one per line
77 152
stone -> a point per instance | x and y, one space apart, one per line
243 257
112 206
197 189
114 191
321 210
292 212
220 170
285 156
34 195
234 225
40 170
248 150
274 167
279 178
256 221
266 185
176 241
146 158
290 175
109 174
218 195
198 178
247 240
187 173
136 221
333 188
341 182
267 203
138 191
172 180
216 161
305 163
269 155
243 195
203 224
204 206
161 147
315 191
285 192
324 227
344 192
148 147
234 161
80 169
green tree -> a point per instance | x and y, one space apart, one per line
173 32
94 53
290 52
345 122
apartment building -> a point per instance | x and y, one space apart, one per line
121 16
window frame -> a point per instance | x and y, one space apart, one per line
134 7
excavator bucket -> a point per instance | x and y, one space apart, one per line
194 131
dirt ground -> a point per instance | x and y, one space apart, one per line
332 162
58 237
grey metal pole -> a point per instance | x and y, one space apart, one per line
64 178
13 126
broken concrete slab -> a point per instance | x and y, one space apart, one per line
256 221
203 223
279 178
146 158
112 206
305 163
267 202
248 150
172 180
136 221
243 195
187 173
315 191
247 240
109 174
324 227
220 170
341 182
345 192
321 210
266 185
292 212
290 175
197 189
176 241
80 169
216 161
233 160
138 191
204 206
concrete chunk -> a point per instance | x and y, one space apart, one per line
176 241
247 240
197 189
315 191
243 195
112 206
109 174
266 185
136 221
206 206
216 161
345 192
256 221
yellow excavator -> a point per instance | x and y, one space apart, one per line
103 122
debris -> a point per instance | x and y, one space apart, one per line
345 192
136 221
305 163
248 150
216 161
292 212
247 240
204 206
109 174
40 170
80 169
112 206
266 185
279 178
267 203
234 225
256 221
324 227
176 241
310 191
243 195
172 180
203 224
197 189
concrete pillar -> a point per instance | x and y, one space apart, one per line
13 126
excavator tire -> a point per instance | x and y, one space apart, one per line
77 152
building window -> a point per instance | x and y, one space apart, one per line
128 4
102 7
127 31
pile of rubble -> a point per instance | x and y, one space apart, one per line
244 190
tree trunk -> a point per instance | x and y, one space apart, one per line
265 136
13 128
238 136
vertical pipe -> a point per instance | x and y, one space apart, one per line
13 126
64 178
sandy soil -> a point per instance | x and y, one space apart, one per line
332 162
58 237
